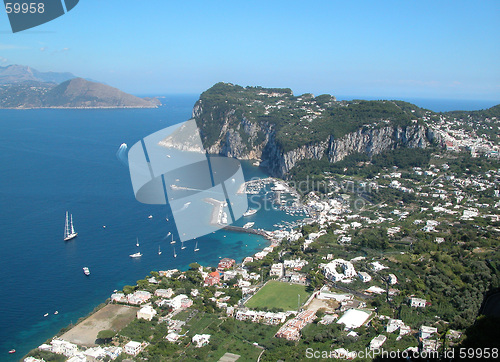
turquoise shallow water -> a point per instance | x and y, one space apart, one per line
58 160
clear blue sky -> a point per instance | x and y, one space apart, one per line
386 49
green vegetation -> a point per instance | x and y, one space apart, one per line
277 295
360 165
297 121
106 335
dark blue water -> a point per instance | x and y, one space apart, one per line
57 160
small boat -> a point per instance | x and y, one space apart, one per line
46 314
150 216
159 251
248 225
182 245
86 270
175 255
196 247
12 351
250 212
136 255
56 312
137 242
69 230
173 241
104 226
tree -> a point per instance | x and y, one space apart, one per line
194 266
105 335
128 289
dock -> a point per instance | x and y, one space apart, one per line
240 229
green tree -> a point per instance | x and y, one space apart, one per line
106 335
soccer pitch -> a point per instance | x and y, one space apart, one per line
278 295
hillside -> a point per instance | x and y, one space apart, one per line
79 92
281 129
73 93
14 74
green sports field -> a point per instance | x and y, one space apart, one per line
278 295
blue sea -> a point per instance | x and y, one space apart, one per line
54 161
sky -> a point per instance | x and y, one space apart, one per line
386 49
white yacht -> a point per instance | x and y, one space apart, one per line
69 230
248 225
250 212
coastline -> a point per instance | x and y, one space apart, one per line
268 236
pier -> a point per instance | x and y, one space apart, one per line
240 229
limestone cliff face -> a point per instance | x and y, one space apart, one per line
246 140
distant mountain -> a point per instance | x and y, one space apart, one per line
13 74
26 90
79 92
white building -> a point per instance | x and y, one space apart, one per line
172 337
294 263
377 342
277 269
364 276
331 272
393 325
378 266
201 340
426 332
164 293
133 348
95 354
63 347
147 312
393 279
119 298
353 318
417 302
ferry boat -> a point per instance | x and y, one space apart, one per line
86 270
248 225
69 230
250 212
136 255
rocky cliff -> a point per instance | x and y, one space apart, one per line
229 129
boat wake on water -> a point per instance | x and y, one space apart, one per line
122 154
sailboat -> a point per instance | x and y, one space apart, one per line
175 255
137 243
173 241
196 247
182 245
159 251
69 230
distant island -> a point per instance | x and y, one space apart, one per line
22 87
